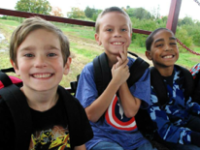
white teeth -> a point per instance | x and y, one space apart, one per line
117 43
169 56
40 76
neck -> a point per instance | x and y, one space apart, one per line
41 100
165 72
112 59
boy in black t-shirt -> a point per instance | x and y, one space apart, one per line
40 55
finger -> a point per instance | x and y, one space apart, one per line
124 64
123 56
125 50
119 62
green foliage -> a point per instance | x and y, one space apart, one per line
34 6
139 13
89 12
149 25
76 13
185 21
18 19
183 36
194 32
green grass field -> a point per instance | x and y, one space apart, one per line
83 48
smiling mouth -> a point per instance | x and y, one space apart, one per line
42 76
117 43
168 56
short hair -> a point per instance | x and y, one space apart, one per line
32 24
150 38
111 9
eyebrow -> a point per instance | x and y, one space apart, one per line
171 38
109 25
27 48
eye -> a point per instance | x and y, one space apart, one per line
28 55
124 29
52 54
159 45
109 30
173 43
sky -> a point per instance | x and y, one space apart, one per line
188 7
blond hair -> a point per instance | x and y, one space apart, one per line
111 9
32 24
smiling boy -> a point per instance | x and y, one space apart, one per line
40 55
111 113
175 115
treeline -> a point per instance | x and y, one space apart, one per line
188 30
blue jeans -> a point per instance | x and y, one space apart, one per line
115 146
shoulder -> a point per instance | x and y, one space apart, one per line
131 61
67 97
88 68
3 106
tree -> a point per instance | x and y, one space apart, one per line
139 13
34 6
183 36
186 21
76 13
56 11
89 12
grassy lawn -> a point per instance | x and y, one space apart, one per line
83 48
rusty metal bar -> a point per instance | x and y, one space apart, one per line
58 19
173 15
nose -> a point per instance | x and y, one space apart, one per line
168 47
117 33
40 62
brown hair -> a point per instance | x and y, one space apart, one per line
111 9
31 24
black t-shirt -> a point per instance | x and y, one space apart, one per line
169 80
50 128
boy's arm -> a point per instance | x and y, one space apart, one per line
100 105
167 130
193 106
130 104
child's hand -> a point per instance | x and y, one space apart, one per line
120 73
123 56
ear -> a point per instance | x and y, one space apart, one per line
131 34
97 38
67 66
15 67
148 54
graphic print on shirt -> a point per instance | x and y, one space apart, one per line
51 139
116 118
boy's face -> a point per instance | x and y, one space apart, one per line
114 33
164 51
40 61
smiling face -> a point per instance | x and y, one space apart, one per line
114 33
40 61
164 51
